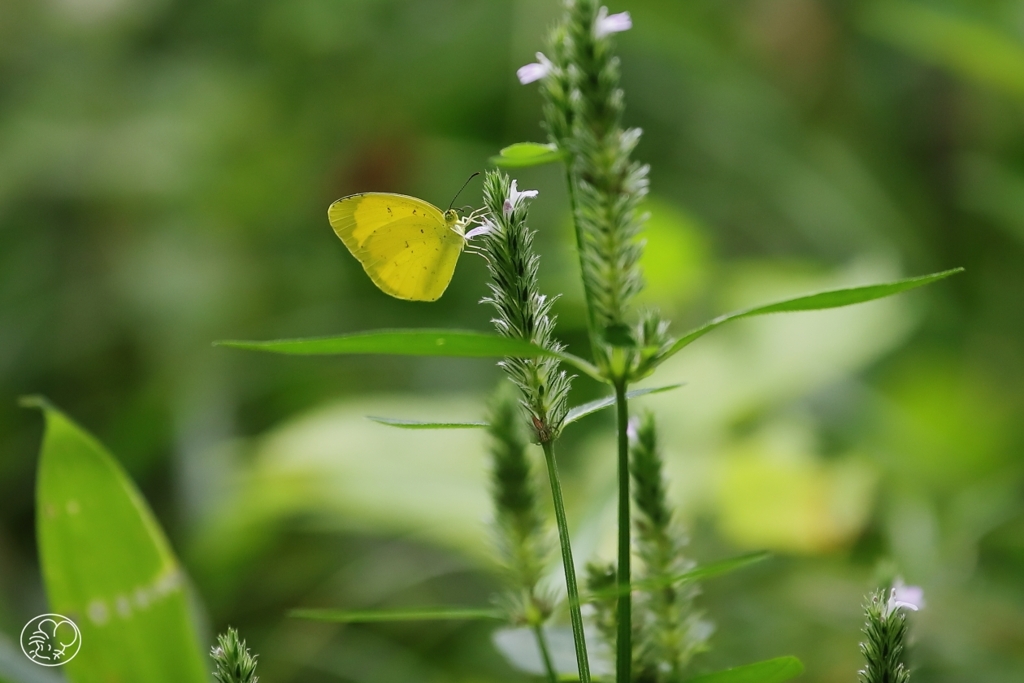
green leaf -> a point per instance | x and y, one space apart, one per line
107 565
713 569
700 573
414 424
592 407
769 671
835 298
573 414
416 614
524 154
452 343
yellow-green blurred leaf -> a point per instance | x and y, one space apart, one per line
108 567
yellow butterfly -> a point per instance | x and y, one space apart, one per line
407 246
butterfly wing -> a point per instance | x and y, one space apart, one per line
403 243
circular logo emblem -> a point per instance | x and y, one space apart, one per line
51 640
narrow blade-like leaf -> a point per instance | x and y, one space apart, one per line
594 406
415 424
835 298
455 343
700 573
523 154
452 343
415 614
573 414
769 671
108 566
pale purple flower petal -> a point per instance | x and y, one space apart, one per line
485 227
535 71
607 24
911 597
514 196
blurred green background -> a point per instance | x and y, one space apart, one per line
165 169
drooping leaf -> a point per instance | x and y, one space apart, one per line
108 567
769 671
451 343
596 405
415 614
835 298
524 154
573 414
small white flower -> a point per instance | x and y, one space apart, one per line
485 227
535 71
607 24
911 597
514 195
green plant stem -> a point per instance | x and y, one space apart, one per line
545 654
575 616
624 643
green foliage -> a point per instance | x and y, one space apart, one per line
885 636
232 661
769 671
108 566
526 154
814 302
572 415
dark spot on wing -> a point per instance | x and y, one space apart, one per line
421 231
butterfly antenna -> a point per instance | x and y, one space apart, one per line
461 189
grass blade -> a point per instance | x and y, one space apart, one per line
415 424
835 298
573 415
769 671
700 573
416 614
451 343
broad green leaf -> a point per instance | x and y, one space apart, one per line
769 671
594 406
573 414
835 298
416 614
523 154
453 343
415 424
108 567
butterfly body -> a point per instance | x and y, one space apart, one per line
407 246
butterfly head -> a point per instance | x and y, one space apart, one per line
451 217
